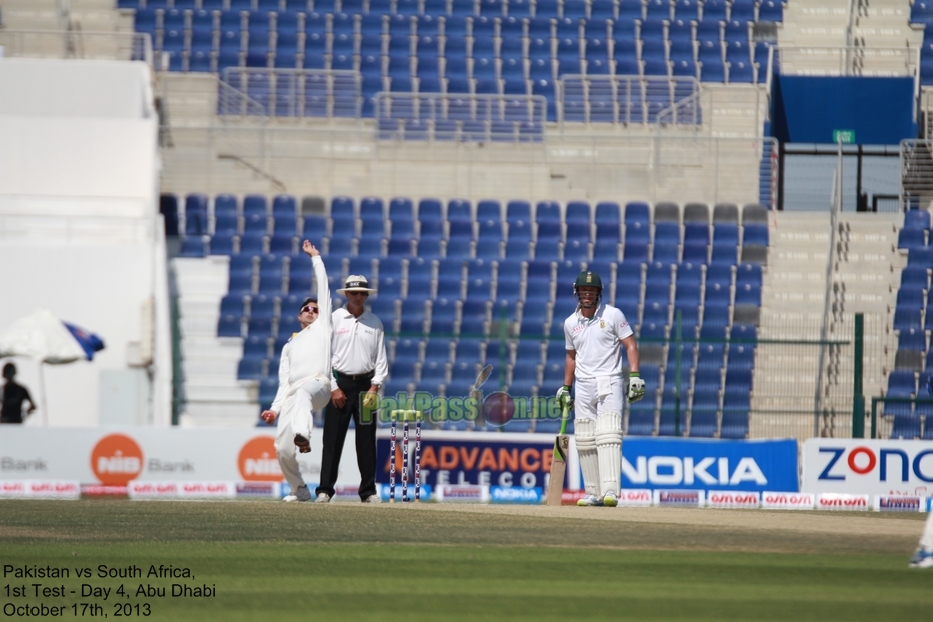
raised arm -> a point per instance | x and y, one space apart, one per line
323 286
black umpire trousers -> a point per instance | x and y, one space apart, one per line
336 423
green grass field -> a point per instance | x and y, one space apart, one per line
274 561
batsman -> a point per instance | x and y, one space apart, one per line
595 334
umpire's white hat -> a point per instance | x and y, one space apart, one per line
356 283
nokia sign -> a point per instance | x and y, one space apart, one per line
857 466
753 466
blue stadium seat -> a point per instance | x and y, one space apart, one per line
735 417
912 339
658 9
713 10
917 219
704 415
922 257
546 9
915 276
909 238
685 9
196 221
443 315
641 421
412 316
771 11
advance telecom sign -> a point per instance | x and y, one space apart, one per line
710 464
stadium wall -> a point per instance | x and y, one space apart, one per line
79 233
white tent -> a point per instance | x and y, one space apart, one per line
43 337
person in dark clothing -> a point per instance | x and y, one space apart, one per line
14 395
359 369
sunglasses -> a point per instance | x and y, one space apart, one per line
309 309
363 294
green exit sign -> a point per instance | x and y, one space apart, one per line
844 136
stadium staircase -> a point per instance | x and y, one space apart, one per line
33 15
885 24
86 22
813 25
878 32
214 397
865 272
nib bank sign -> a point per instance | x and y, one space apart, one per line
864 466
710 464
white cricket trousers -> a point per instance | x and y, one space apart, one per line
598 395
926 540
598 431
295 418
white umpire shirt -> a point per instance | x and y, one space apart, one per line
359 345
597 341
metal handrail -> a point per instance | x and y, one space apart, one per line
294 89
692 87
487 101
139 48
835 208
246 104
692 101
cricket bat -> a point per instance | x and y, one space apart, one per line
555 490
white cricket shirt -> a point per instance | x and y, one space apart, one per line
308 353
359 345
597 341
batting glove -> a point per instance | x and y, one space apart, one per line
636 387
564 398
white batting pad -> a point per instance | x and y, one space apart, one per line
584 432
609 449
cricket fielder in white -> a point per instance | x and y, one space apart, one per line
595 334
304 379
923 558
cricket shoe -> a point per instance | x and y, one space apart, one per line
610 500
922 559
303 444
323 498
589 501
372 499
301 494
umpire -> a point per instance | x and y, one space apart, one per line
360 367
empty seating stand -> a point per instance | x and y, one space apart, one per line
517 48
471 285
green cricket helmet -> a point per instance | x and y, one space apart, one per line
588 278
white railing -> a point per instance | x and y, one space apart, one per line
628 100
686 111
291 92
460 117
76 44
916 167
232 102
926 106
